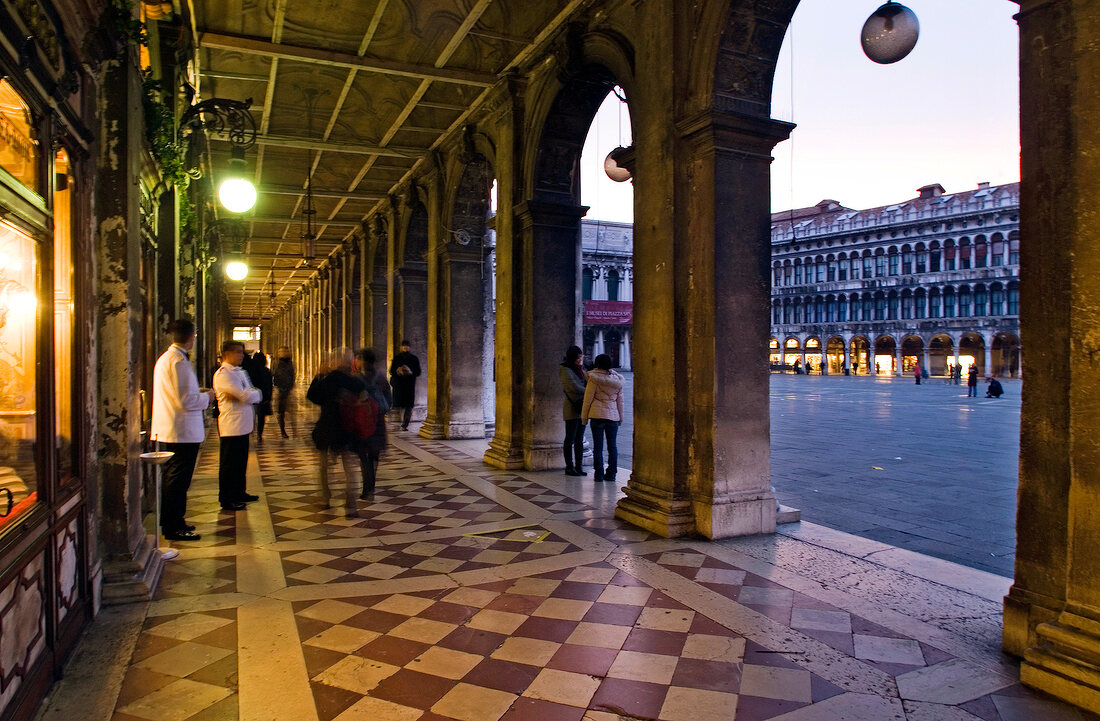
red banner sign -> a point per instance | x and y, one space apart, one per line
608 312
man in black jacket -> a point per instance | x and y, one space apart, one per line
403 374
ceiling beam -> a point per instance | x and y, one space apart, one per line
286 141
272 189
332 58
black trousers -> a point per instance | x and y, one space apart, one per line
232 466
572 446
177 479
280 407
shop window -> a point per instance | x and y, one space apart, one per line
18 409
64 363
18 148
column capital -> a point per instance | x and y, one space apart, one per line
540 212
735 132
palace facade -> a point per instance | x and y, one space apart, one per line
932 280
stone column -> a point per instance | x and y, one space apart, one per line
898 364
506 447
551 321
1052 612
987 369
366 300
624 360
132 566
348 265
702 444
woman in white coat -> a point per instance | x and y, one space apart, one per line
603 405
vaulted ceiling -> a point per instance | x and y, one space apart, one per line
354 92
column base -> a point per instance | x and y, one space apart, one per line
1066 664
131 581
744 516
542 457
655 511
504 455
432 429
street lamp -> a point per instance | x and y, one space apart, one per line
232 119
235 266
890 33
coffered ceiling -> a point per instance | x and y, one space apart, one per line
354 92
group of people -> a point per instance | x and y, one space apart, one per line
241 393
594 396
178 404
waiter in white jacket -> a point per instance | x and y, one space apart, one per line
178 403
235 421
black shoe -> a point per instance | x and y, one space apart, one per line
571 472
285 435
238 506
188 527
182 535
249 498
404 428
368 497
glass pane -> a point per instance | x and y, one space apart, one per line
18 312
18 148
63 316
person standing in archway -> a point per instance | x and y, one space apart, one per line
916 373
403 374
603 404
972 381
573 378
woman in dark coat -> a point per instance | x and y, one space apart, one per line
572 376
261 378
332 386
403 373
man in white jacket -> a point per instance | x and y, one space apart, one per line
236 418
178 403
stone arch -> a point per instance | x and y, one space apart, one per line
834 355
885 360
1005 355
860 355
941 350
972 345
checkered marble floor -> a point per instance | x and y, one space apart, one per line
465 593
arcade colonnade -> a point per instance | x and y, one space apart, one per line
698 78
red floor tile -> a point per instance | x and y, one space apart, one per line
331 701
578 591
448 613
472 640
378 621
411 688
755 708
583 659
629 698
670 643
515 603
707 675
502 675
547 629
392 650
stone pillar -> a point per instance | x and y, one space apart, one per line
460 331
366 300
1052 612
345 299
702 444
987 369
551 321
898 364
132 566
379 330
624 359
506 447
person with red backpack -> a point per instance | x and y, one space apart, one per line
370 449
342 423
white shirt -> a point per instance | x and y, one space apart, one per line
177 402
235 398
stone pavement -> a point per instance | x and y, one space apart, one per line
919 467
466 593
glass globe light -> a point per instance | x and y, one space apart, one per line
890 33
236 270
237 195
614 170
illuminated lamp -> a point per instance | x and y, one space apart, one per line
614 167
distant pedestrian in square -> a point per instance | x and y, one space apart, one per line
603 404
916 373
995 389
403 374
283 377
972 382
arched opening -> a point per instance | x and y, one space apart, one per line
972 352
860 355
941 355
834 355
813 356
775 357
885 356
912 353
1006 355
792 355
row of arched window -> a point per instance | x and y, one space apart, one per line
613 280
934 257
939 302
